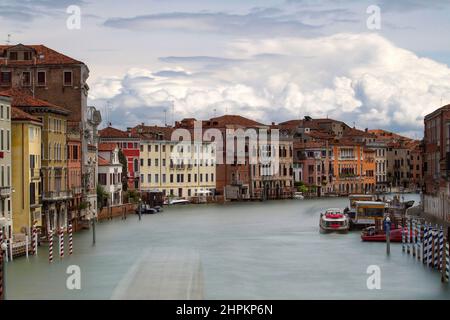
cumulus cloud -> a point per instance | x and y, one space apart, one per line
360 78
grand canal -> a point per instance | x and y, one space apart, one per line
270 250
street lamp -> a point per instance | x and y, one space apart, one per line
3 248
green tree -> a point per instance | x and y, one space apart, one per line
102 197
124 162
133 196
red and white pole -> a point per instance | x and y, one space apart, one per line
50 246
70 239
61 243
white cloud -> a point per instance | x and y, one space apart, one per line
352 77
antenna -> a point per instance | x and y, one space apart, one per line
8 40
215 112
165 117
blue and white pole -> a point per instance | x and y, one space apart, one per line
436 248
413 237
408 236
419 244
430 245
441 248
425 244
447 261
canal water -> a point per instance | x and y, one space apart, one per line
270 250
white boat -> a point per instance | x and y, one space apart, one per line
298 196
334 220
178 201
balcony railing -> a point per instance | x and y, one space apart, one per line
56 195
5 192
35 174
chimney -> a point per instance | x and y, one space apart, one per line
367 129
273 123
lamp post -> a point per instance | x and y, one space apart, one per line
140 209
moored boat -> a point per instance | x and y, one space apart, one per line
334 220
370 234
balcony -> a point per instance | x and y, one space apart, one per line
56 195
5 192
35 174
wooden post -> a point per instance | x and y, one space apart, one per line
444 262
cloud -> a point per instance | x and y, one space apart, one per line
360 78
264 21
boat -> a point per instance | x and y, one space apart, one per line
334 220
178 201
372 235
298 196
366 213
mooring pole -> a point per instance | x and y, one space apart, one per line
388 238
93 231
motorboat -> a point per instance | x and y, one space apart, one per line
334 220
178 201
373 235
298 196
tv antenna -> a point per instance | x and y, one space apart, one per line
8 40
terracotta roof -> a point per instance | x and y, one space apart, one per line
153 132
107 146
232 120
5 94
110 132
309 144
22 99
103 161
44 56
353 132
18 114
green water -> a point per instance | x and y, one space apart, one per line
270 250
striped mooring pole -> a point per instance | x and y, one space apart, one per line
419 243
436 248
430 245
34 238
61 242
425 243
413 237
2 297
447 259
403 239
408 236
50 246
441 248
70 239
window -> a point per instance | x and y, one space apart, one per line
149 178
142 163
149 162
26 78
102 179
5 78
149 148
27 56
68 78
7 141
156 162
41 78
13 56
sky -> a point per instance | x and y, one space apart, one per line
158 61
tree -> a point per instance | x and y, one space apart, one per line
102 197
124 162
133 196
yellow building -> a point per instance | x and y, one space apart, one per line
55 193
26 157
181 171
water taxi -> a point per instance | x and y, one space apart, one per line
334 220
366 213
298 196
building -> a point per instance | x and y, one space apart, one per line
241 169
6 212
381 181
55 192
436 163
51 76
129 145
74 177
110 173
46 74
181 170
26 171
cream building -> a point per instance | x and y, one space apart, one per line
184 171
